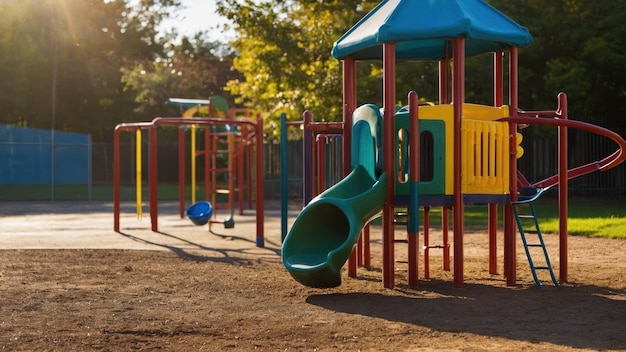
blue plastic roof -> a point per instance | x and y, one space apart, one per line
420 29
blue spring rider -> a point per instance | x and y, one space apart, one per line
200 213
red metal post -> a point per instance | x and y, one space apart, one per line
307 172
444 87
349 104
426 243
563 188
153 179
116 179
414 173
320 141
260 183
498 100
510 260
181 172
367 256
389 103
444 78
445 228
248 157
231 169
458 97
240 146
207 164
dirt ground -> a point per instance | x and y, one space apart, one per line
68 282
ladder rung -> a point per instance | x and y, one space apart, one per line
525 216
542 268
438 246
534 245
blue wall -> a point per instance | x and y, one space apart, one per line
26 156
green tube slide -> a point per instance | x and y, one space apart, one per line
325 232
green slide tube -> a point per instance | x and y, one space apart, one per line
325 232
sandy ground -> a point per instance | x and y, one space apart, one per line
69 282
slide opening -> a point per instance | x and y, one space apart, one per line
325 228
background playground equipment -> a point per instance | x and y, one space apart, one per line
476 159
226 152
252 134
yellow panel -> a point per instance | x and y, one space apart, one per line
484 168
485 165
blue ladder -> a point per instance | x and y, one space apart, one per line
527 196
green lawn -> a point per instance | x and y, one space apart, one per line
594 217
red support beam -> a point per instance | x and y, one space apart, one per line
181 172
444 88
458 97
563 188
260 183
389 104
414 173
498 100
349 105
510 260
116 179
153 179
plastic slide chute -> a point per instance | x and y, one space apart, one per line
326 231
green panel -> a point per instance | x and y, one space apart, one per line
436 185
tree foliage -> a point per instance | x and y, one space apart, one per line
284 54
579 48
193 69
86 65
74 64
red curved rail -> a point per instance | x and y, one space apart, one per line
607 163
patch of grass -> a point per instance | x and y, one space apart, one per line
593 217
610 227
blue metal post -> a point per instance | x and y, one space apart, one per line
284 179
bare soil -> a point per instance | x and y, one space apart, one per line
69 283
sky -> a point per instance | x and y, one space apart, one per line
197 15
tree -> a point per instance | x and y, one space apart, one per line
194 68
61 60
578 49
284 48
24 64
284 55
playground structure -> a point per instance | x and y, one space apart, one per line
226 149
415 157
235 138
